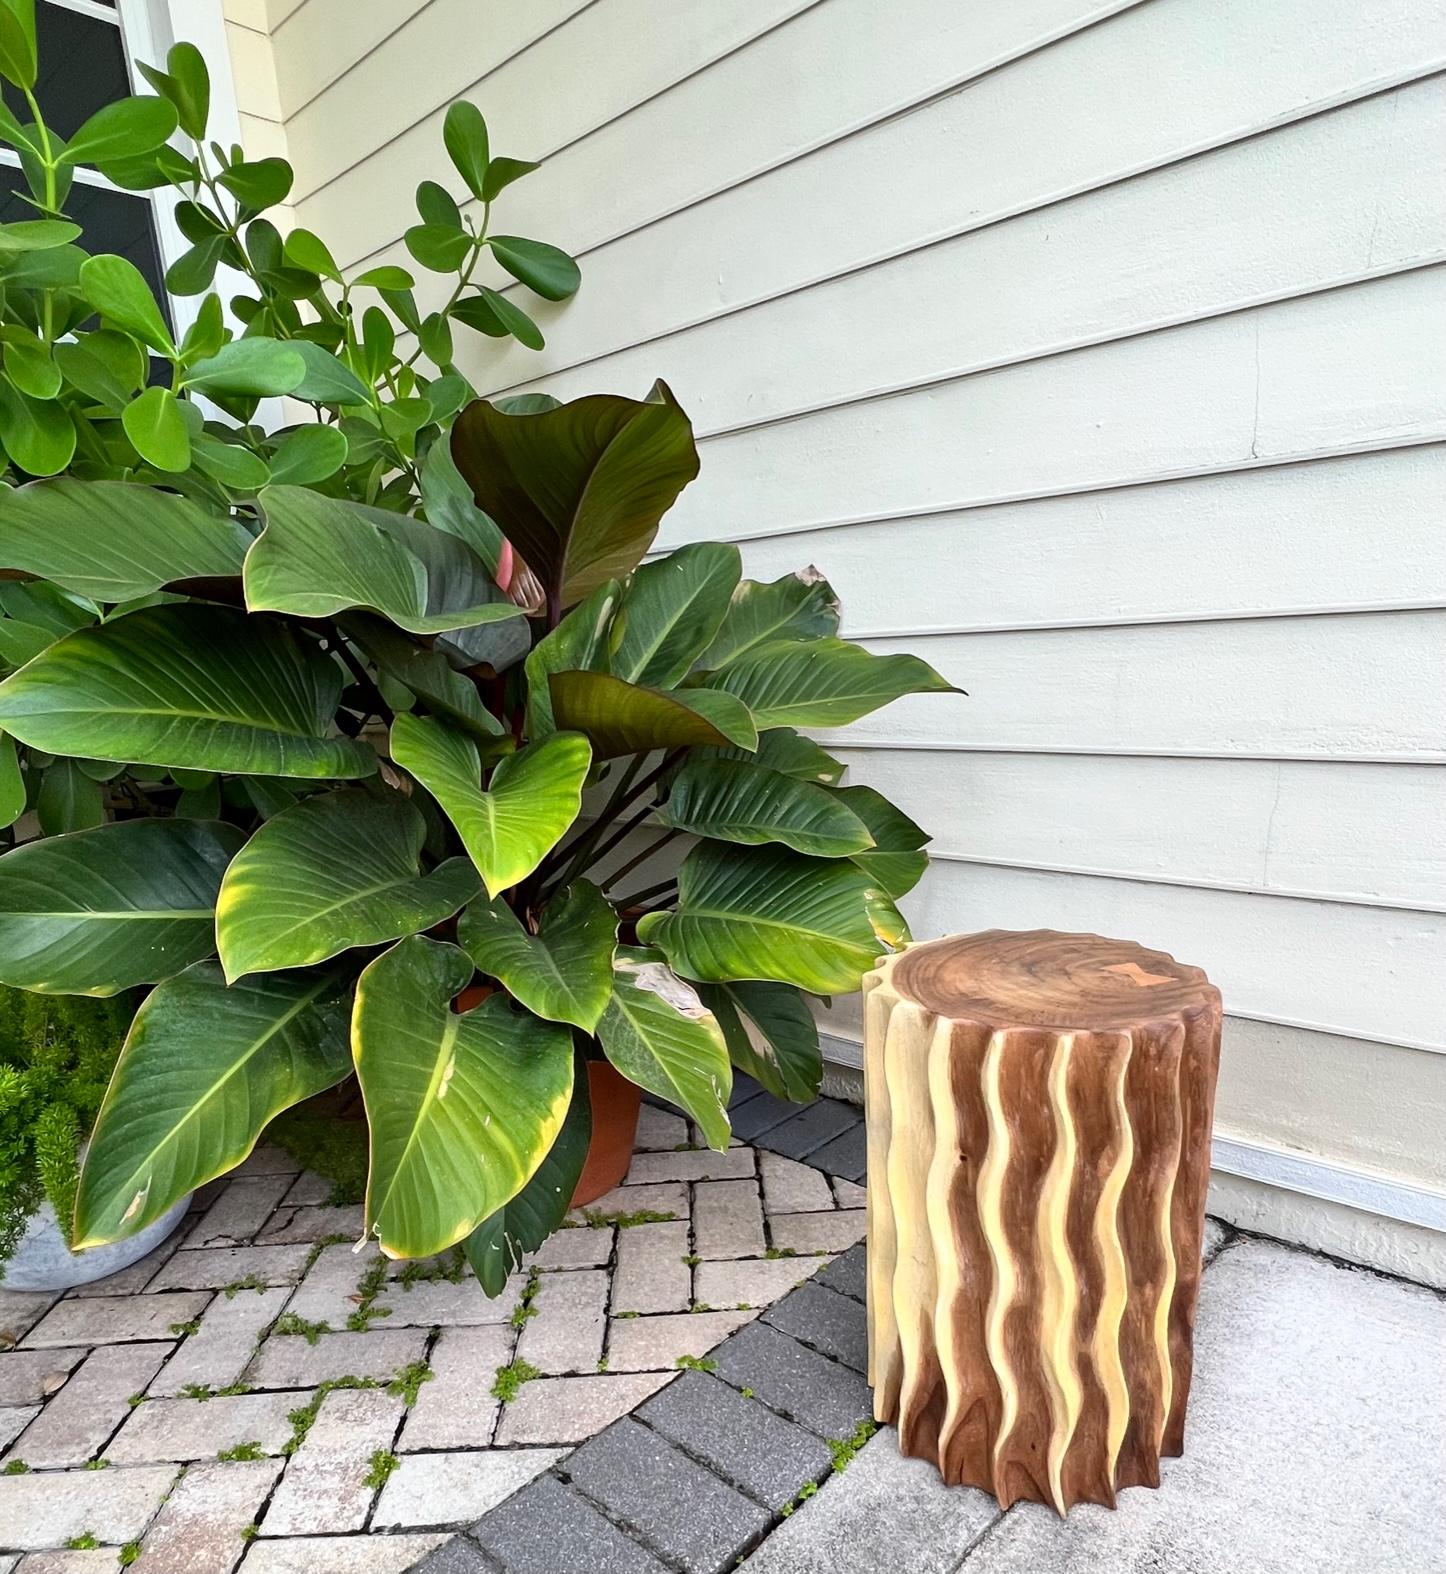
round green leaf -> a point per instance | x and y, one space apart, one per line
230 464
513 319
462 1109
545 269
533 799
564 972
501 172
768 912
258 367
308 455
326 380
437 249
437 206
336 871
123 129
29 364
204 1069
17 41
186 83
736 801
385 278
659 1034
118 291
102 910
157 429
187 684
36 235
37 434
464 135
309 252
259 183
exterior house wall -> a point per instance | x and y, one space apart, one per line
1093 350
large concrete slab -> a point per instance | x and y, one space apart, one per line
1316 1439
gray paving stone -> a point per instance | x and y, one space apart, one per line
91 1560
548 1528
213 1268
1215 1237
813 1125
848 1194
659 1131
651 1275
185 1429
199 1529
339 1554
328 1294
754 1116
268 1159
569 1409
48 1508
79 1419
728 1219
240 1211
292 1362
742 1440
453 1489
433 1303
802 1385
828 1321
21 1310
818 1232
313 1224
216 1354
751 1281
847 1274
641 1344
325 1488
846 1155
791 1187
744 1088
116 1319
677 1507
456 1409
566 1334
669 1197
308 1190
732 1164
457 1556
583 1248
138 1276
1314 1439
29 1377
883 1512
13 1421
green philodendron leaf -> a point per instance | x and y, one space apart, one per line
546 270
204 1069
564 972
187 684
768 912
533 798
895 860
12 783
122 129
114 540
102 910
255 367
497 1247
426 673
319 555
821 682
581 487
118 291
462 1109
790 753
37 435
337 871
578 644
659 1034
157 429
736 801
626 718
21 642
447 499
674 607
68 800
801 605
771 1036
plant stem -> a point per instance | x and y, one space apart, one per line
637 898
642 857
623 831
381 709
623 795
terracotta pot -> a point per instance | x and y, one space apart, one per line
615 1103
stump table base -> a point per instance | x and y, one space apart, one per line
1039 1110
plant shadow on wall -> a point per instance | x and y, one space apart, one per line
321 727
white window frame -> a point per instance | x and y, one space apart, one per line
148 28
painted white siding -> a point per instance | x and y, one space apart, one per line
1094 351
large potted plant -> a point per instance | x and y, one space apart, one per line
329 725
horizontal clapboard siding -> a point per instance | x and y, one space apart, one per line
1092 349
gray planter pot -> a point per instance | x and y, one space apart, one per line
43 1260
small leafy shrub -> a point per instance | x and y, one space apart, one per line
393 756
56 1057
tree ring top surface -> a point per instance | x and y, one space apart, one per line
1043 978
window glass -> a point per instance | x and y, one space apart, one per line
82 67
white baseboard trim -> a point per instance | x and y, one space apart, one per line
1327 1180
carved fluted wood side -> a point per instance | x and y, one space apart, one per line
1036 1207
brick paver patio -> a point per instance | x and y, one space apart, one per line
260 1394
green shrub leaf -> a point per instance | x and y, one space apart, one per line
768 912
547 270
159 880
659 1034
308 455
118 291
157 429
257 367
579 643
534 796
564 972
462 1109
336 871
204 1069
191 685
124 129
464 134
259 183
37 434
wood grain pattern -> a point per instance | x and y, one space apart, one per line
1039 1109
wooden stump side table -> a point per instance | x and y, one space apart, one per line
1039 1109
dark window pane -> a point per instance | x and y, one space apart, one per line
112 221
82 67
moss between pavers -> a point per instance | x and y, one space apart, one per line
509 1379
